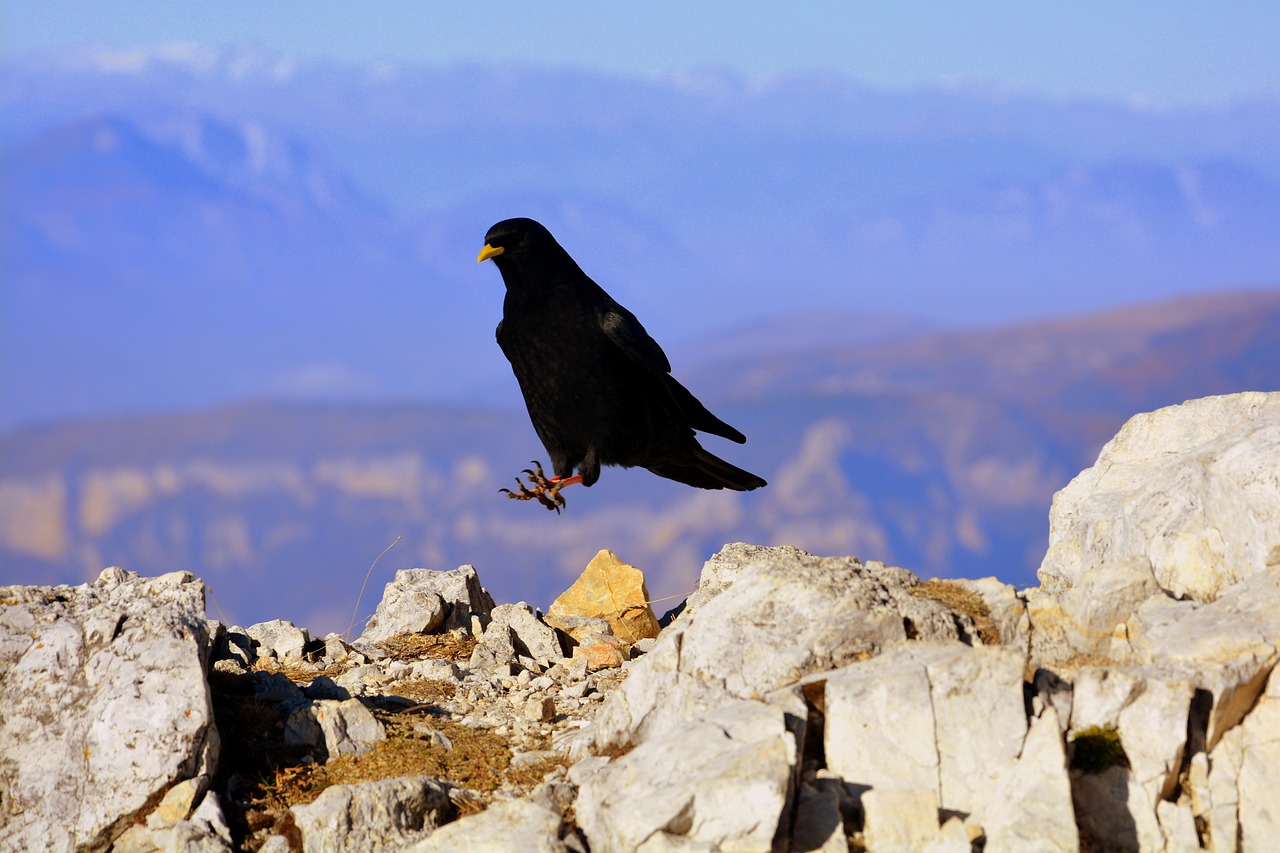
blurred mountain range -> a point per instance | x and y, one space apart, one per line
938 451
183 226
857 279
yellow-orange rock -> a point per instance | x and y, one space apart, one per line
610 589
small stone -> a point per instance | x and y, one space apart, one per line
540 709
275 844
434 736
434 669
279 639
229 666
177 803
578 690
325 687
602 652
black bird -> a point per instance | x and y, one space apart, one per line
599 390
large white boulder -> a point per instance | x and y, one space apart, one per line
1194 488
103 706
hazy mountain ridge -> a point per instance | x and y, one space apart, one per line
939 452
265 225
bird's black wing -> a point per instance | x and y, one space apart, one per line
628 335
626 332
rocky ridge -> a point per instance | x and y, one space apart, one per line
795 703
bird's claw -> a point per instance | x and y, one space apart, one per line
539 488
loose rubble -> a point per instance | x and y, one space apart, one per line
797 702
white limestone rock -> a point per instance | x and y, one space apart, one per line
722 570
900 819
279 639
786 616
1227 647
205 831
423 600
1149 713
1032 811
949 720
495 653
981 722
334 727
1215 790
1194 488
104 705
1095 611
534 639
373 816
720 781
1258 776
528 824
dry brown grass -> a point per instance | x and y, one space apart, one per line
479 761
298 671
271 777
959 599
424 690
419 646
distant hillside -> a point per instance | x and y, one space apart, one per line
939 452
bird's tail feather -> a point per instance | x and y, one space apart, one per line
704 470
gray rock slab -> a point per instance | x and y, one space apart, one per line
880 731
900 819
819 817
1115 812
948 721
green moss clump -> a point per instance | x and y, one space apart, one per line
1097 748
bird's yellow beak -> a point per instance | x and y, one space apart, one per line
489 252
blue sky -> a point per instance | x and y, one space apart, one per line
1172 52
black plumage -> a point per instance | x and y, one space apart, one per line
599 390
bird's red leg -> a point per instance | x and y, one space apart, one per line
544 491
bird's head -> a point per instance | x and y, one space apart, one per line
524 252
